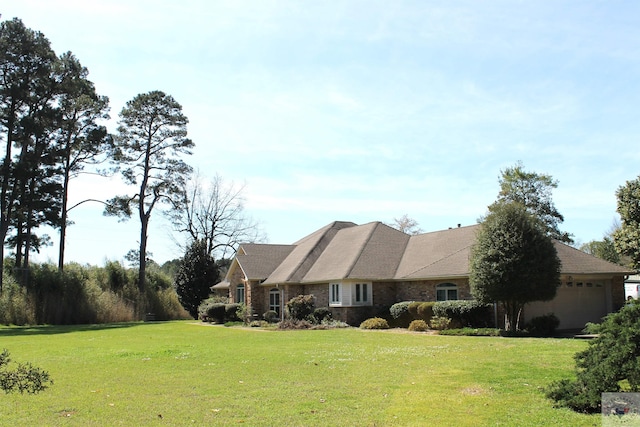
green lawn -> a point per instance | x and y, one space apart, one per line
183 373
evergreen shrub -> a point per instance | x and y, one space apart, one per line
466 313
418 325
543 326
375 323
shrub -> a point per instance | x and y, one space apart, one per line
214 312
609 360
399 309
271 316
301 307
543 326
259 324
412 308
374 323
469 313
24 378
425 311
439 323
231 312
400 314
418 325
321 314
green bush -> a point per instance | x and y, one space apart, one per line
412 308
425 311
321 314
400 314
610 360
467 313
418 325
231 312
271 316
301 307
543 326
374 323
439 323
214 312
24 378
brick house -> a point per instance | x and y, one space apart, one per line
359 271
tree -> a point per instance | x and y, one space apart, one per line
214 213
604 249
513 261
406 225
81 141
627 237
610 358
195 276
533 191
29 193
152 134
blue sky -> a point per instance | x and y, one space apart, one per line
366 110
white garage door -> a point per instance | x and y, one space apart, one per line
574 305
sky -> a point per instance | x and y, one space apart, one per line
364 110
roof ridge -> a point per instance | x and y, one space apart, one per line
361 250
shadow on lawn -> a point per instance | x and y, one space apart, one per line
61 329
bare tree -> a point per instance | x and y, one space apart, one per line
213 212
406 225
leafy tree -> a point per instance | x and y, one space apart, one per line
195 276
152 134
24 378
81 140
610 359
604 249
533 191
627 237
406 225
513 261
214 212
29 193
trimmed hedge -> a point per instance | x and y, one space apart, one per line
400 314
466 313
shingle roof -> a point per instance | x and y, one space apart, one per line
305 253
442 253
369 251
259 260
375 251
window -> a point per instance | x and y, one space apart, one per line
334 294
446 292
240 294
274 300
362 293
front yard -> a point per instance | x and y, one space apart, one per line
184 373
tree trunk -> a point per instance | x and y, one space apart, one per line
144 219
63 214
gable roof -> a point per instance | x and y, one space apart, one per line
259 260
375 251
305 253
438 254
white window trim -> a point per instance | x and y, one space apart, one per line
348 293
447 286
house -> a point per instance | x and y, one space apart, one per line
359 271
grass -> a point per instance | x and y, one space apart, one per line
182 373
